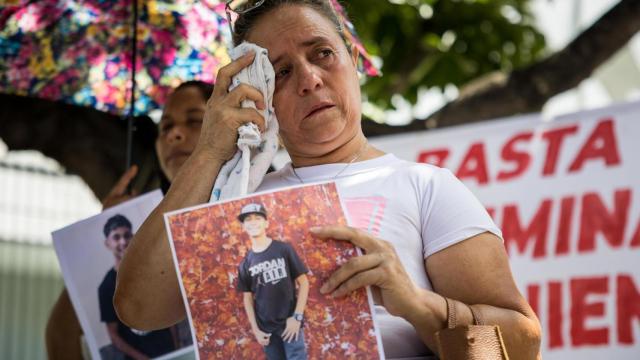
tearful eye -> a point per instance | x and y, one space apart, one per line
282 72
326 52
195 122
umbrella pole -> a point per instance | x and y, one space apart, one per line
132 100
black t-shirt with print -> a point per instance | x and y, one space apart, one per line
150 343
270 275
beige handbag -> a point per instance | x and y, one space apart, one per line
472 342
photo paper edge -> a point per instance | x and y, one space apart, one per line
183 291
74 296
240 197
72 290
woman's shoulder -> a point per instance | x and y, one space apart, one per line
420 171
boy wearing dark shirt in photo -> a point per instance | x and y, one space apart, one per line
267 277
126 343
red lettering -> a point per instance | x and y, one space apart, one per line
564 228
581 310
595 218
474 165
635 239
554 321
509 153
533 297
513 232
601 144
628 305
434 157
554 139
588 301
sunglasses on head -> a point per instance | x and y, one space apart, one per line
228 10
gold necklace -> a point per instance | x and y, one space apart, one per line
358 155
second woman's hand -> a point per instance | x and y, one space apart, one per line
118 193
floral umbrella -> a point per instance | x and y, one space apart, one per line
80 51
366 65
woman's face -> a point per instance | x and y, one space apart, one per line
179 129
317 94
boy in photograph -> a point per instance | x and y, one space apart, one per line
267 277
126 343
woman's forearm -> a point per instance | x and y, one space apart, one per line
63 331
520 329
147 294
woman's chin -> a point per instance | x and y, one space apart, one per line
317 141
324 134
173 166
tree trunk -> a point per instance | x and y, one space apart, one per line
528 89
87 142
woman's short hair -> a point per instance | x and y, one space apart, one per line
246 21
205 88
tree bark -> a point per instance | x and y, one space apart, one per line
87 142
528 89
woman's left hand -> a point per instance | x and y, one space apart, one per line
379 266
118 193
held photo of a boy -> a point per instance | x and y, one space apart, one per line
250 271
90 252
125 342
267 278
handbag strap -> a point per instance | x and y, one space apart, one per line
452 320
451 313
477 319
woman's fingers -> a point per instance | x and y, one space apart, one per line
380 267
351 269
224 113
223 79
121 186
247 115
118 193
246 92
362 279
353 235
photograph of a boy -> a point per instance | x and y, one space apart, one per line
267 278
126 343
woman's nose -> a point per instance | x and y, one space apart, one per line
308 79
176 134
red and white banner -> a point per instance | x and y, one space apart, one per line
566 194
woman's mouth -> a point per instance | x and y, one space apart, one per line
318 109
177 154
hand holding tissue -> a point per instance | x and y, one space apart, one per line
245 171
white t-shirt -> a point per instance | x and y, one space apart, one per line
419 208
